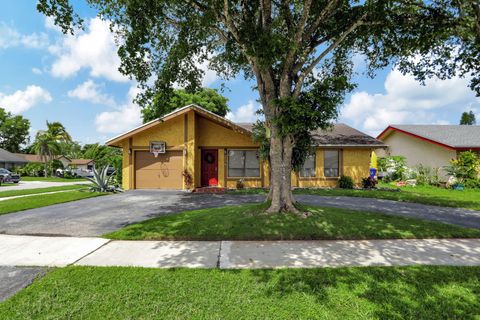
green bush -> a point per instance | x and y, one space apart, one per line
465 168
395 167
31 170
426 175
345 182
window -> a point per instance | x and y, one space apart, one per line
308 169
243 163
331 163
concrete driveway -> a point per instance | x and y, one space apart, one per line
100 215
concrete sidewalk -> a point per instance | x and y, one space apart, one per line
62 251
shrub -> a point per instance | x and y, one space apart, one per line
187 178
369 183
31 170
472 183
394 166
240 184
465 168
426 175
345 182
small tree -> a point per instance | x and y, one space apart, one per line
46 147
468 118
206 98
13 131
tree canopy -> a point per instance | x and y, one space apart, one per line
206 98
292 49
14 131
468 118
455 49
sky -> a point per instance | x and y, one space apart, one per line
46 75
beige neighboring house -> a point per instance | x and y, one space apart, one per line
429 145
82 164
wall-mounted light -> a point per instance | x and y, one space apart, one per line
129 150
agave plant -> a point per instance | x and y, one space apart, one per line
102 182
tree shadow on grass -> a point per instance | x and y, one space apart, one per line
396 292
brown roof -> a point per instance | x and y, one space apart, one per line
81 161
36 158
339 135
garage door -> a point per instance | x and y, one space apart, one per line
163 172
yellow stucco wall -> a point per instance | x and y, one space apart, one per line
210 134
356 164
191 132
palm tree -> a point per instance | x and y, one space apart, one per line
46 147
58 132
48 142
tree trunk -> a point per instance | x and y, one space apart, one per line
280 170
280 193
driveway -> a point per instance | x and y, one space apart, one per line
100 215
24 185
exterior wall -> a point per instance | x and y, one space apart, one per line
418 151
356 164
191 132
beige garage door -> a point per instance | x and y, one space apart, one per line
163 172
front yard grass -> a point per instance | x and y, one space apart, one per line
425 292
248 222
468 199
52 179
19 204
12 193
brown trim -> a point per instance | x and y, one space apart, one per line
206 114
130 151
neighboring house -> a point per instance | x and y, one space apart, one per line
10 160
430 145
217 152
82 164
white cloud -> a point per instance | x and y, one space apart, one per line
94 50
22 100
407 101
36 71
10 37
245 113
125 117
92 92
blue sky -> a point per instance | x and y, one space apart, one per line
45 75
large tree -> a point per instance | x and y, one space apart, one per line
206 98
290 48
468 118
13 131
455 51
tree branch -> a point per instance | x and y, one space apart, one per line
333 46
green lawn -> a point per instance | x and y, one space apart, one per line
342 293
52 179
469 199
12 193
19 204
248 222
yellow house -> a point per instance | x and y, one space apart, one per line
192 147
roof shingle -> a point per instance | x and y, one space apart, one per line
455 136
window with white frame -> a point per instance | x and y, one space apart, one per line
308 169
243 163
331 163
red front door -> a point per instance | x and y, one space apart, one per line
209 167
